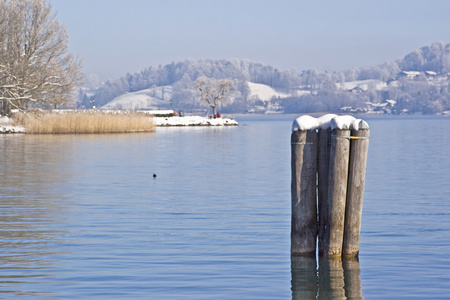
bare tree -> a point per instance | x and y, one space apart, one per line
214 92
35 66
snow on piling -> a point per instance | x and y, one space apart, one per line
329 157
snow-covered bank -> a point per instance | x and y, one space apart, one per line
193 121
5 126
11 129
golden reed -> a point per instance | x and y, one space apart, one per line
85 121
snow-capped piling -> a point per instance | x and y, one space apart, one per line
329 157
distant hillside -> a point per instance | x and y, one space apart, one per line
416 83
153 99
161 97
181 76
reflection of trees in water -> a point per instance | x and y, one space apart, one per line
332 279
32 172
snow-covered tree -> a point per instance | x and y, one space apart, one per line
214 92
36 68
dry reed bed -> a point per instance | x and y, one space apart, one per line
84 122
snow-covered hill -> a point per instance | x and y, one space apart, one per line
160 97
152 98
264 92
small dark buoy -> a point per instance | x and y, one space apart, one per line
154 175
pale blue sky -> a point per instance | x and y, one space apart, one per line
119 36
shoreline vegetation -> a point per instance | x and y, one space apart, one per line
83 122
101 121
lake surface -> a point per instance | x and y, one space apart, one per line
82 217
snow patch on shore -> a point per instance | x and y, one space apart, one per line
11 129
5 126
193 121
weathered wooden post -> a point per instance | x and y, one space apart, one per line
303 189
337 191
322 181
359 146
322 176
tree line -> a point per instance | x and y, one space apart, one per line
310 90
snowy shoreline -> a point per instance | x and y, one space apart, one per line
5 126
192 121
185 121
11 129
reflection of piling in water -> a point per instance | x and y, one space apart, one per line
329 154
331 279
304 277
352 279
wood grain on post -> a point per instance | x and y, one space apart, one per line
303 192
355 190
337 192
322 188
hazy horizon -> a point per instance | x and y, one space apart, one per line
116 37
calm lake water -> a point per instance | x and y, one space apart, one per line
82 217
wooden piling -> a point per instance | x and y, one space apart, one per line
328 174
359 146
303 192
322 181
337 191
